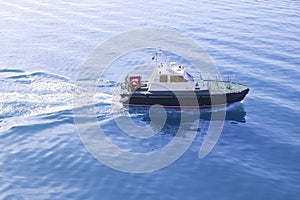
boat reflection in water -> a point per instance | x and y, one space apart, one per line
234 113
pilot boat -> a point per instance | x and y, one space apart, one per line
170 85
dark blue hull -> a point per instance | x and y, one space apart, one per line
183 99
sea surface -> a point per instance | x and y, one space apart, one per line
44 43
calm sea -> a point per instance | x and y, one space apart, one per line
43 43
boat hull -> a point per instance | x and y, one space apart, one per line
183 99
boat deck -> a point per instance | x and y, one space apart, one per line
215 87
224 87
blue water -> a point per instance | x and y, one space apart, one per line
43 43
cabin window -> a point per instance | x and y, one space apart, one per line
177 79
163 78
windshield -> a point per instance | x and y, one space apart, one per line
189 76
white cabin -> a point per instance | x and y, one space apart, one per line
173 77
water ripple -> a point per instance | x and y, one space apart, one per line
44 43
